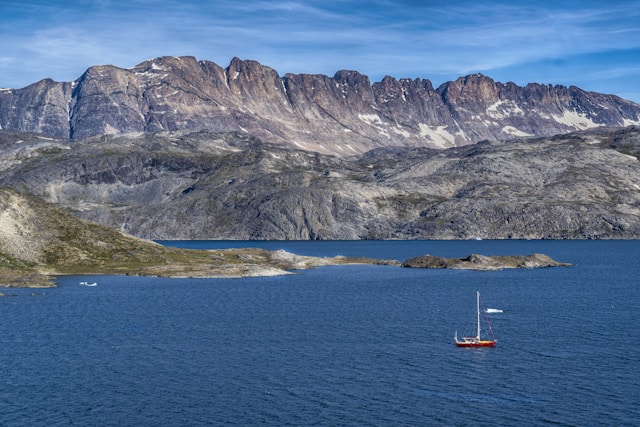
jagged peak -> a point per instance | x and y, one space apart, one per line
164 63
176 93
390 81
352 78
100 71
473 79
48 82
239 64
475 76
250 67
236 63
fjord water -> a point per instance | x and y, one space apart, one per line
347 345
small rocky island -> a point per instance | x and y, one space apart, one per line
484 262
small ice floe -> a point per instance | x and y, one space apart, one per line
493 310
88 284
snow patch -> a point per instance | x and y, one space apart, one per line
375 121
151 71
629 122
576 120
514 131
401 131
301 145
372 119
109 130
504 109
438 135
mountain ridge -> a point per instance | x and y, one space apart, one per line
224 186
342 115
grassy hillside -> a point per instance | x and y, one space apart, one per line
39 241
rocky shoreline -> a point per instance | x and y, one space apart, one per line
241 263
39 242
213 264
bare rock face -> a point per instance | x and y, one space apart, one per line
210 185
341 115
42 106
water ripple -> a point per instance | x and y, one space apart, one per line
335 346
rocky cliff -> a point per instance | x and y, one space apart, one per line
209 185
342 115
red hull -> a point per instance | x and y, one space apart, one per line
476 344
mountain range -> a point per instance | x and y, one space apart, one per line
341 115
176 148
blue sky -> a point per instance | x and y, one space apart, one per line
591 44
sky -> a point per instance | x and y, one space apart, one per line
594 45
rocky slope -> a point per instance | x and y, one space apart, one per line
341 115
233 186
38 241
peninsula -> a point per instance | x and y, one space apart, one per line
40 241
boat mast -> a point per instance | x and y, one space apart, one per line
478 304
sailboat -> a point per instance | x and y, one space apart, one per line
477 341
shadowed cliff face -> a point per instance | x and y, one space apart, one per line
233 186
340 115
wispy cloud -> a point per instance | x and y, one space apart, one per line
404 38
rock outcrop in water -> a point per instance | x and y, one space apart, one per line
484 262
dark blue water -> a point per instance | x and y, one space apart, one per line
349 345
